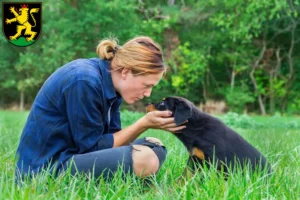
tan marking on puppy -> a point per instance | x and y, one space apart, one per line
150 108
198 153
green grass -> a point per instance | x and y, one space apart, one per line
275 137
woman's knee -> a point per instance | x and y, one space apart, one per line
147 158
145 162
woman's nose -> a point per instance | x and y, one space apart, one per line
147 93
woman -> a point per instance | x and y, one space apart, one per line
75 118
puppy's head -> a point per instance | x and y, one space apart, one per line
181 108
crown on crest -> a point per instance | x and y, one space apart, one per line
24 6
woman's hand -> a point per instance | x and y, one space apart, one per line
160 120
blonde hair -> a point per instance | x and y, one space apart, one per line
141 55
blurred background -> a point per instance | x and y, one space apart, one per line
241 56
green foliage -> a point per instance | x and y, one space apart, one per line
237 98
243 21
295 107
209 46
239 121
188 68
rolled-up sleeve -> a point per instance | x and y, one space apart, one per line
85 112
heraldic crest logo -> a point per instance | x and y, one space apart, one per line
22 22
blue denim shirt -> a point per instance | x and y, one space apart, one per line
70 116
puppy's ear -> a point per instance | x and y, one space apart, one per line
183 111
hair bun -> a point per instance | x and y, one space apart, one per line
107 49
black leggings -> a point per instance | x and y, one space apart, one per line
106 162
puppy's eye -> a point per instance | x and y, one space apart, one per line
162 106
162 103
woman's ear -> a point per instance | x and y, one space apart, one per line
125 73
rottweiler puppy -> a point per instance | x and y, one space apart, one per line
209 140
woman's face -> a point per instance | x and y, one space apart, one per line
133 88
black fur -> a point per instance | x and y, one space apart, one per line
220 144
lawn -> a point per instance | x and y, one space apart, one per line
278 138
